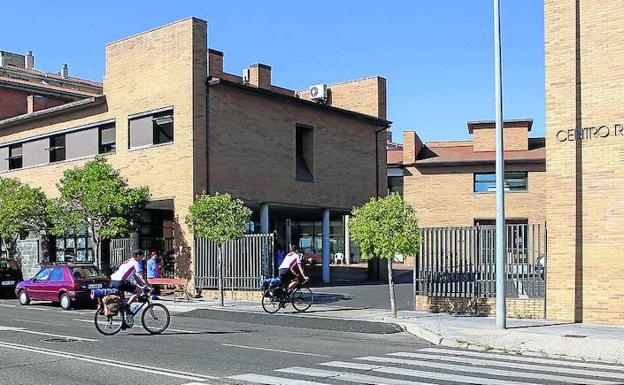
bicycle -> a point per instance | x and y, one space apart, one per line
275 296
155 317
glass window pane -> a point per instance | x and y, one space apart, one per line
81 255
70 243
60 255
81 243
60 243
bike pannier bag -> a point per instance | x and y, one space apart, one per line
111 305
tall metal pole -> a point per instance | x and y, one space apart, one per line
501 306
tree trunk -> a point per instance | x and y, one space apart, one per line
220 273
96 253
393 307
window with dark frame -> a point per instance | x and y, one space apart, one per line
150 129
15 156
304 153
107 140
163 127
57 148
514 181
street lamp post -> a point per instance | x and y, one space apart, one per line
501 306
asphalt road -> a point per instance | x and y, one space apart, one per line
41 344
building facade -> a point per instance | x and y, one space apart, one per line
585 141
170 118
451 183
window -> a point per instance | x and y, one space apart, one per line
107 139
15 157
304 154
86 272
514 181
151 129
163 128
57 148
57 275
43 275
395 184
78 248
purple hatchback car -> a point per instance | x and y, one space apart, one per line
65 284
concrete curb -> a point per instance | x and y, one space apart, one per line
453 342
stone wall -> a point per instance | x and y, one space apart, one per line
532 308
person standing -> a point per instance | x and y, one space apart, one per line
153 271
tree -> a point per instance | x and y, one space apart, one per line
384 227
96 198
218 218
22 209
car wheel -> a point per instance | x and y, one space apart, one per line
24 299
66 302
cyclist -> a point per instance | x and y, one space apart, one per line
287 273
130 270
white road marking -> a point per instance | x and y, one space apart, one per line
23 330
275 350
490 362
117 364
510 357
271 380
350 365
346 376
488 371
39 322
183 331
5 305
83 320
446 377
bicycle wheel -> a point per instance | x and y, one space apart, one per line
108 325
302 299
271 304
155 318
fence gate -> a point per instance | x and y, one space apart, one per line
245 261
120 250
461 261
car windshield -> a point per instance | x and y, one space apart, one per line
85 272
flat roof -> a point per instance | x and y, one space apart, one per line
506 123
214 81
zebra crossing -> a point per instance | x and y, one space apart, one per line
433 366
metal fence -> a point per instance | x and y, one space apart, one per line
120 250
245 261
461 261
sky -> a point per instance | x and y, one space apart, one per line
437 55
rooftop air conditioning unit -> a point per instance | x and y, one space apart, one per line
246 75
318 92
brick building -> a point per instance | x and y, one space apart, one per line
24 89
585 141
451 183
170 118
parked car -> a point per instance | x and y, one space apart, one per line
10 275
65 284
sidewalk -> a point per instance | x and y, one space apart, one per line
526 337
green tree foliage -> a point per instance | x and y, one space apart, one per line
95 197
22 209
218 218
383 228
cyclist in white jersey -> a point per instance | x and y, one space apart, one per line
129 271
287 272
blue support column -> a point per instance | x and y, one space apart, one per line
326 276
264 218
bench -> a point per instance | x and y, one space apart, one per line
179 286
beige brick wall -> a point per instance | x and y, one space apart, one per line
367 96
585 210
443 196
253 155
516 139
163 67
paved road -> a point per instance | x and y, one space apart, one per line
41 344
